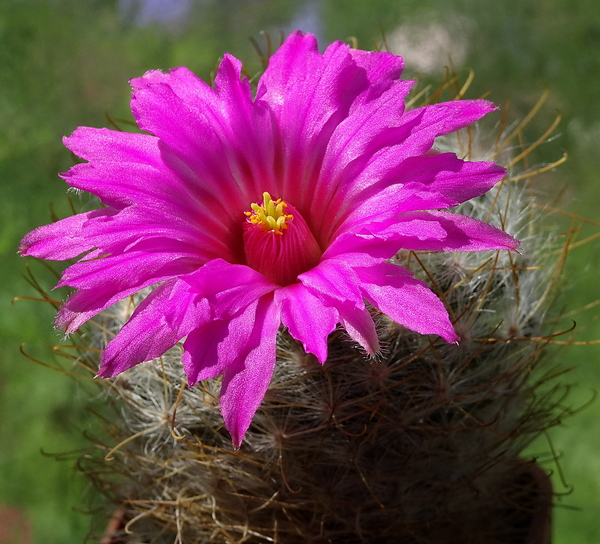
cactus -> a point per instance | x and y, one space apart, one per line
420 444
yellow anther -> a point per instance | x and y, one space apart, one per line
270 216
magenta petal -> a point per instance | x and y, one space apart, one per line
251 126
382 70
444 231
405 135
360 326
356 140
135 267
220 134
194 139
309 94
124 182
415 134
308 319
137 227
229 288
232 291
429 122
102 144
184 83
105 281
363 248
335 279
60 240
203 359
128 183
85 304
165 316
214 347
418 183
406 300
246 380
242 128
421 231
127 169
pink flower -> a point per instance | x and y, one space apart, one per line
252 213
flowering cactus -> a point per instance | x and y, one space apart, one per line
294 244
419 445
249 213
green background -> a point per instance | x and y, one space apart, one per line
65 63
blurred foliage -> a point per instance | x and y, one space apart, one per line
65 63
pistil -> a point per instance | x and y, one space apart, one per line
277 241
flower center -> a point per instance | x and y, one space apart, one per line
270 215
277 241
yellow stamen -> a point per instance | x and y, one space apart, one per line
270 216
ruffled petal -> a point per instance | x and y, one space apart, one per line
351 147
156 259
123 170
193 138
249 125
359 325
336 280
163 318
128 183
308 319
103 282
229 288
61 240
309 95
422 125
246 380
421 231
102 144
418 183
444 231
119 232
86 303
382 70
233 292
220 134
406 300
140 170
335 283
384 142
113 231
359 134
361 247
215 346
